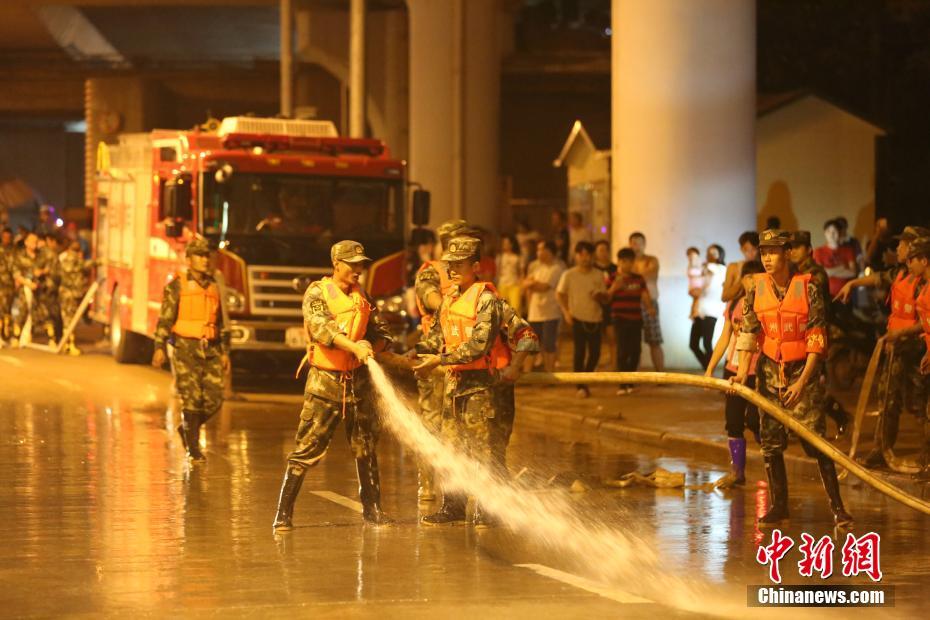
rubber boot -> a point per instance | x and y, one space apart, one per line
885 437
425 490
924 474
293 479
71 348
839 416
737 475
369 490
192 436
452 511
778 489
831 485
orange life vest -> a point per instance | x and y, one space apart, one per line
197 309
351 312
458 319
923 311
445 287
903 304
784 323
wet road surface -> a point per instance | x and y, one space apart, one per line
104 516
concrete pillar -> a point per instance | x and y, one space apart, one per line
455 106
683 118
357 68
287 58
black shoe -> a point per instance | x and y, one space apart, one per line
452 511
369 491
831 485
778 490
873 460
840 417
293 479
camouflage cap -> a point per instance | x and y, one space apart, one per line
801 237
461 248
198 246
775 238
913 232
919 247
453 228
348 252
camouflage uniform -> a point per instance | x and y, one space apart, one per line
330 396
772 377
25 268
429 389
73 269
7 292
198 364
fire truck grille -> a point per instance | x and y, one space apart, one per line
279 291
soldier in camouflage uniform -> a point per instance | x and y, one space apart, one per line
788 310
30 271
430 285
802 255
7 292
345 330
73 269
192 318
900 383
918 261
470 340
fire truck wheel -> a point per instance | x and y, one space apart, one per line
127 347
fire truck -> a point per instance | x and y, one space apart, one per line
273 195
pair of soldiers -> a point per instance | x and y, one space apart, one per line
466 326
480 342
191 318
788 310
902 386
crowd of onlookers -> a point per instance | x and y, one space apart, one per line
567 278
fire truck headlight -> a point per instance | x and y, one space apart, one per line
391 305
235 301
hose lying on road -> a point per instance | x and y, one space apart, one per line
825 447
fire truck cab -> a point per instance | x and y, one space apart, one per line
273 195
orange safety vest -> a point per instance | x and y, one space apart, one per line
784 323
903 308
445 287
458 319
197 309
351 313
923 311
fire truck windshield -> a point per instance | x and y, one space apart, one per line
313 208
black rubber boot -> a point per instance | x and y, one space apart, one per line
452 511
293 478
831 485
839 416
369 490
924 474
192 436
778 489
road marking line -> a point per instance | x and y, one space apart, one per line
342 500
67 384
13 361
579 582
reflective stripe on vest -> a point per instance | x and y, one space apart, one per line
903 305
458 320
445 288
197 309
784 323
923 311
351 312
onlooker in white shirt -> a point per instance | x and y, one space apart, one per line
544 312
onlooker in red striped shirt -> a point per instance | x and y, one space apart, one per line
629 296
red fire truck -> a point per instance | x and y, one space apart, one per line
273 195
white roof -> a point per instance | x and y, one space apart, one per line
278 127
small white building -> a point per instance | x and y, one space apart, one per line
814 161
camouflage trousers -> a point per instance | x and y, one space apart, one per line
429 397
69 301
6 307
502 423
44 307
808 410
901 386
468 419
198 373
319 418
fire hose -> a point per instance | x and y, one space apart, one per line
780 414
